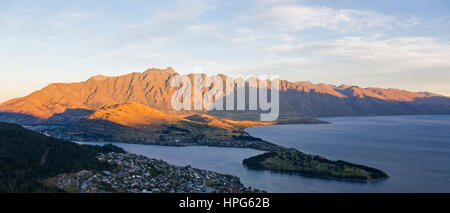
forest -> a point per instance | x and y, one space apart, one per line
26 157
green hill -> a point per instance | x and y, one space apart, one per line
26 157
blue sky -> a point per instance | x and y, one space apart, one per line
391 44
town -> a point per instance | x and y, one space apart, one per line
139 174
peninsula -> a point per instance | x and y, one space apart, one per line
294 161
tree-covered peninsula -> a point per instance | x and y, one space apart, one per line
294 161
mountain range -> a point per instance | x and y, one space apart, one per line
136 108
62 103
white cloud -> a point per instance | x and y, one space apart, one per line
3 22
6 22
369 55
169 24
441 20
298 17
401 53
286 22
181 12
74 16
202 28
241 40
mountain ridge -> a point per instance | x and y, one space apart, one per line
152 88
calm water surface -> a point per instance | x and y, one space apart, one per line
413 150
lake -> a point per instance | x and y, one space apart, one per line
413 150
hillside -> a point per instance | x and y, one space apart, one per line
133 114
26 157
136 123
151 88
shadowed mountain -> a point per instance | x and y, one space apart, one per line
69 116
152 88
300 100
19 118
320 104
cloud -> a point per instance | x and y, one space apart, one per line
300 17
74 16
366 54
3 22
297 17
169 24
442 20
6 22
181 12
202 28
289 22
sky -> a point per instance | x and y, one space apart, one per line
390 44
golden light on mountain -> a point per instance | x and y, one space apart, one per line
133 114
152 88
